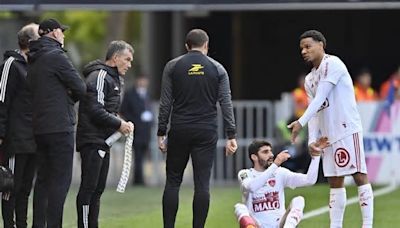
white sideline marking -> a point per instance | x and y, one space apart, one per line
322 210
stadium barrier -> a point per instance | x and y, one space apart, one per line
257 119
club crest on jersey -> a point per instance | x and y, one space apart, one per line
196 70
270 201
271 182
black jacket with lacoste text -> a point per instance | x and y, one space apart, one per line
98 110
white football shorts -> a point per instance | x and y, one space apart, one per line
345 157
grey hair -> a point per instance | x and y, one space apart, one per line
27 33
116 47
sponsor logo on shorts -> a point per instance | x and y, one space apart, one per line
342 157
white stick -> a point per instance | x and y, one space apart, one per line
113 138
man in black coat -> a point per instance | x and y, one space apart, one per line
16 134
136 107
56 86
98 120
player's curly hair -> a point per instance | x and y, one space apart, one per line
315 35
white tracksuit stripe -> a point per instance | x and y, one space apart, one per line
100 86
85 214
4 78
11 164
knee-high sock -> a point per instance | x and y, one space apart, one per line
337 205
366 199
243 216
296 212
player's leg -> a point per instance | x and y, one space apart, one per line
177 158
294 213
333 160
243 216
203 154
365 193
337 201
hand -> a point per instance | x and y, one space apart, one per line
323 142
282 157
230 147
316 148
296 127
162 143
132 126
126 127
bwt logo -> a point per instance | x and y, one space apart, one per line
379 144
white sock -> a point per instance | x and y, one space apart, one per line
296 212
366 198
337 204
241 210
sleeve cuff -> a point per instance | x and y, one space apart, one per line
302 121
273 167
161 132
231 134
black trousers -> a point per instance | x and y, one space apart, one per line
55 157
23 167
95 164
140 150
200 145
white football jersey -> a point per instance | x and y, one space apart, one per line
338 117
267 204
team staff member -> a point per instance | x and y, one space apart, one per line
192 84
56 86
16 134
97 121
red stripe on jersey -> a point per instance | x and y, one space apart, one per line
326 70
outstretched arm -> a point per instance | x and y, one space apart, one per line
294 180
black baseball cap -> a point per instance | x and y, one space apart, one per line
49 25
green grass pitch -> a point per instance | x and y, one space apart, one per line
141 207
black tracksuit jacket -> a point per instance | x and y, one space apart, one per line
98 110
15 106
